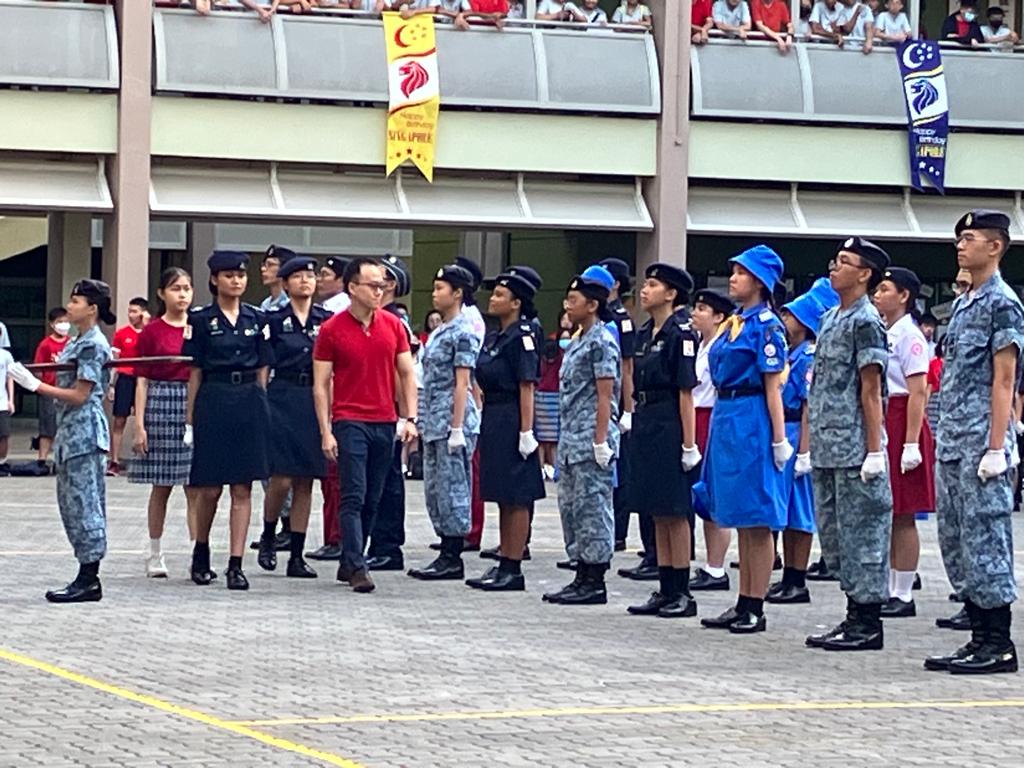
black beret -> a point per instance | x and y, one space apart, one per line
592 289
396 271
521 288
904 279
672 276
297 264
618 268
718 301
872 255
984 219
337 264
280 253
221 261
528 273
97 293
473 268
456 276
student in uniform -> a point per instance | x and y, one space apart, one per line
450 422
294 439
476 322
589 389
974 489
161 458
663 449
507 371
83 437
852 495
227 400
802 318
747 446
910 446
710 310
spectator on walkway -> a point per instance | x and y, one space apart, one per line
859 26
203 7
487 11
633 12
295 6
996 32
701 21
732 17
516 9
552 10
586 12
47 351
827 18
449 11
892 25
962 27
772 18
803 24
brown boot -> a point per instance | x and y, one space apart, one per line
361 581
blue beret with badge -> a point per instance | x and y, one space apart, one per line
521 288
527 273
337 264
763 263
280 253
984 218
904 279
619 270
395 270
873 256
456 276
297 264
670 275
595 283
222 261
473 268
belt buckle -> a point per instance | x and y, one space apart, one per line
236 377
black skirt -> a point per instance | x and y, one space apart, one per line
657 481
231 425
294 444
505 477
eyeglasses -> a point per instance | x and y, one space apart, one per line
970 239
844 261
375 287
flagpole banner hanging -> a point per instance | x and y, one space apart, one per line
414 95
924 87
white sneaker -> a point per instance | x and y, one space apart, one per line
156 568
549 472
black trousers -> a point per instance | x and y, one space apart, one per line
388 534
364 458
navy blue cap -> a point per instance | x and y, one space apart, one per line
395 270
718 301
297 264
984 218
280 253
221 261
456 276
527 273
337 264
872 255
521 288
904 279
670 275
473 268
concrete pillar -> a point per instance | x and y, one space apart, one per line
126 232
666 193
69 254
202 240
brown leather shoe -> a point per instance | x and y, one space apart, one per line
361 581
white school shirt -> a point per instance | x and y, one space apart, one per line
623 15
830 20
550 6
723 13
892 25
704 394
339 302
859 33
908 354
6 360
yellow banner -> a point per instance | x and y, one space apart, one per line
414 95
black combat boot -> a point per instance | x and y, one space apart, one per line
817 641
591 590
84 589
572 586
448 565
941 663
996 652
864 633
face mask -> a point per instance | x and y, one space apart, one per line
62 328
563 344
969 16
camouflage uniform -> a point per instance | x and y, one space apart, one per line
584 489
975 530
447 477
854 517
80 448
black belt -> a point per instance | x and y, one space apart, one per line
495 398
737 392
793 414
294 377
229 377
652 396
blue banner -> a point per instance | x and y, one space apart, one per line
924 86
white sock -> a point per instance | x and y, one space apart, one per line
716 572
903 585
892 583
154 547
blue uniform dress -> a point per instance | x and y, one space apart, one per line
81 445
294 444
664 366
231 420
799 490
508 358
744 488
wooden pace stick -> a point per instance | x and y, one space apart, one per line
133 361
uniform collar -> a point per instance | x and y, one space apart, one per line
799 349
746 314
902 323
855 306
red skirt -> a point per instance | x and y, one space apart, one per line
703 422
914 491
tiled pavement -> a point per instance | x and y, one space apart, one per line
308 673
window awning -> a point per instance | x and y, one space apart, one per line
280 194
57 185
803 213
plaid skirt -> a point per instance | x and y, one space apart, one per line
169 460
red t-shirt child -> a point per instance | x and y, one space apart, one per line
489 6
125 344
47 352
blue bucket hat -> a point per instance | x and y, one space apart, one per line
763 263
809 308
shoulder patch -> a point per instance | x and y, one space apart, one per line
688 348
528 344
627 326
266 332
766 315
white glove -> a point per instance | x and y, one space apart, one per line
527 443
626 422
456 440
911 458
23 376
803 464
781 453
873 466
603 454
691 457
188 438
993 464
1019 427
399 428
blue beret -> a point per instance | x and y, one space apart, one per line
872 255
297 264
456 276
527 273
521 287
337 264
280 253
984 219
904 279
221 261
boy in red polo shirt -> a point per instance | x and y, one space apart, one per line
701 21
122 383
772 18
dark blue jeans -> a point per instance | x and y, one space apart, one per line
364 458
388 533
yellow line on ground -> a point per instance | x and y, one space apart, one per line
654 709
239 729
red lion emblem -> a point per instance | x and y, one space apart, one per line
414 77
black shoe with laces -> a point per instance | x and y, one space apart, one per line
702 581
